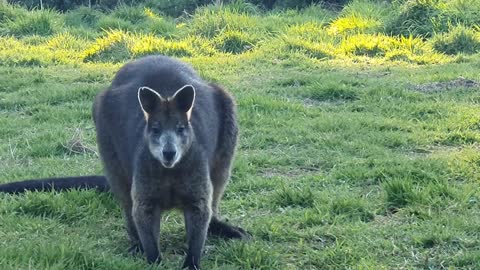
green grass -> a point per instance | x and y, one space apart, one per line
83 16
458 40
358 149
35 23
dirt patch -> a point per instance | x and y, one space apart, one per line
322 241
310 102
76 144
437 87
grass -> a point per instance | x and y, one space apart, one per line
34 24
458 40
359 149
83 16
234 42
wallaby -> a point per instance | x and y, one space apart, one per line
166 139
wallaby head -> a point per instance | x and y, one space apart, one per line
168 132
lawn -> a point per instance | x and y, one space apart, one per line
360 133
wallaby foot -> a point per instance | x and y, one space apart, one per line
135 249
190 265
227 231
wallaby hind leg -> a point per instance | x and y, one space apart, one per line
220 172
219 176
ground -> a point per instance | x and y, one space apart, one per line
353 161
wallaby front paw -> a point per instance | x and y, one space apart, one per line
188 264
135 249
154 260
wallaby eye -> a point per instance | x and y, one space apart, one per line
180 129
156 130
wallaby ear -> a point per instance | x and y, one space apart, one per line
148 99
184 99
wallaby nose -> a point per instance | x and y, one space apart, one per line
169 154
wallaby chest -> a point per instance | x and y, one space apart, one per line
168 190
171 188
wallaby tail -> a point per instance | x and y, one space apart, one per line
82 182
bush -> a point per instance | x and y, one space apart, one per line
137 19
132 15
459 40
53 4
10 13
418 18
297 4
234 42
175 8
83 16
375 9
83 32
35 23
113 23
362 16
352 24
294 4
157 24
65 5
209 22
464 12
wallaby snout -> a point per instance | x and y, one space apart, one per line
169 149
168 155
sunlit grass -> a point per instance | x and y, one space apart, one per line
15 52
318 50
114 46
66 41
128 33
352 24
146 45
210 22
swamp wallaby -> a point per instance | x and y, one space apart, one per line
166 139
